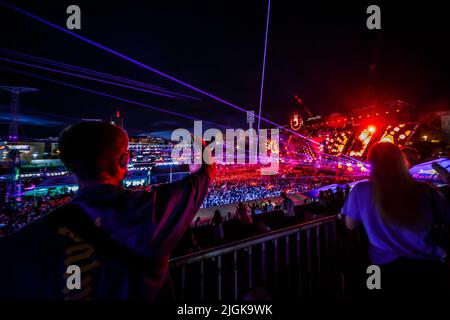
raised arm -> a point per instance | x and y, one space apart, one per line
176 205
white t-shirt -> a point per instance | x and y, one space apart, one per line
389 242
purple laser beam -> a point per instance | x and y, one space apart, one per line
105 94
116 53
86 77
142 65
93 72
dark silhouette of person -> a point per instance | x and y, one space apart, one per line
288 205
346 191
217 223
120 239
242 213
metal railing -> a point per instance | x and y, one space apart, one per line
296 262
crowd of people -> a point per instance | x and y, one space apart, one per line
332 201
16 214
226 191
241 190
242 186
229 226
132 231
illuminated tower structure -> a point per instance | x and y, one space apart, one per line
15 95
13 185
117 119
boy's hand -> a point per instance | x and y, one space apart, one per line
441 171
208 161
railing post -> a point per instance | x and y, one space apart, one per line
275 257
202 280
263 263
299 267
235 275
340 255
183 281
250 269
324 229
308 255
334 239
287 260
219 277
318 256
327 248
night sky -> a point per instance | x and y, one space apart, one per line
321 51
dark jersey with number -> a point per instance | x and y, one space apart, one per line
119 239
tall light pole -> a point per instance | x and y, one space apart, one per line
15 101
14 186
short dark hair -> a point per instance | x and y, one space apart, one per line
89 148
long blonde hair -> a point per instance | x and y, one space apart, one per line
396 194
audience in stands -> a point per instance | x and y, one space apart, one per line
19 213
247 184
331 202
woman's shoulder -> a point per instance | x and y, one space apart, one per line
362 185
